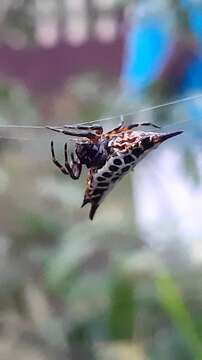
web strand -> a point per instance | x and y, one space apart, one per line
118 116
147 109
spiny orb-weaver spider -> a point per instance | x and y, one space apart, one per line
107 155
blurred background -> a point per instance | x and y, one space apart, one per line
129 284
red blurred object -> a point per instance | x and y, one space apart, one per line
47 69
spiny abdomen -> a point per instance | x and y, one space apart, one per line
102 181
126 153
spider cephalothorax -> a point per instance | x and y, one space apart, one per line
93 155
108 156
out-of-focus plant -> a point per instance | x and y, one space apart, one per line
171 299
17 22
17 106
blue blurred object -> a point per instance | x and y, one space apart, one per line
192 79
194 11
148 47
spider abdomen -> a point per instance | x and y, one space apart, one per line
126 150
102 181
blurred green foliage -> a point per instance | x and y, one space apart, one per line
122 310
171 299
81 283
74 289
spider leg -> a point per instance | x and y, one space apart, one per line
88 135
75 168
57 163
119 126
116 129
142 124
97 128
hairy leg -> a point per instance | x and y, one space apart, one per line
97 128
88 135
142 124
57 163
74 170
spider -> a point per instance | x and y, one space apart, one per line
107 155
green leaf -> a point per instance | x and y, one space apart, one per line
172 301
122 310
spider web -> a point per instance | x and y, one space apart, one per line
12 128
